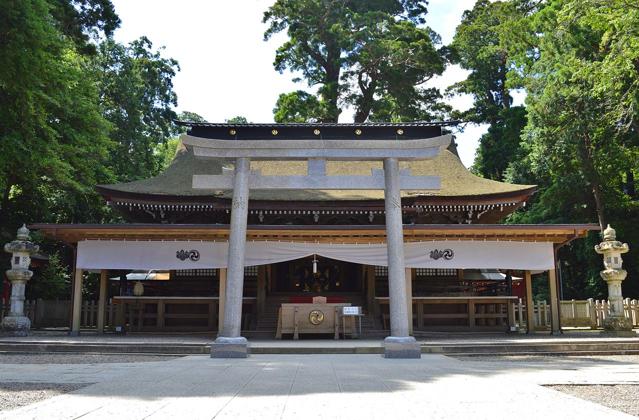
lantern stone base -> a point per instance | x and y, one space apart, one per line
17 326
618 327
402 348
230 348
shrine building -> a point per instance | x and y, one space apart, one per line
319 230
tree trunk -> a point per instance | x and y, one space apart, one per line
596 192
366 103
505 93
4 205
592 176
330 90
330 95
631 190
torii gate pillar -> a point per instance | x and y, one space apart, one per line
230 343
400 344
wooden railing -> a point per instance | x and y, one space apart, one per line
458 313
592 313
541 312
588 313
150 313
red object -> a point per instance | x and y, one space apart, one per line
519 290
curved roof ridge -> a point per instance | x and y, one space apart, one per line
320 124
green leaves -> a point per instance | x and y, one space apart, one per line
297 107
77 110
136 88
577 137
374 56
52 131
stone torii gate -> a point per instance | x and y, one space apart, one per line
392 180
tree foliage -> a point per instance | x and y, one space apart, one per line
238 119
479 46
52 281
297 107
83 21
77 110
578 62
53 135
136 86
373 56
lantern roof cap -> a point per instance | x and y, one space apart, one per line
609 234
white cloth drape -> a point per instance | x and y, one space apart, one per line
176 255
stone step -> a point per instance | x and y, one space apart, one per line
328 346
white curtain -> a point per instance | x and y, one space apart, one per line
176 255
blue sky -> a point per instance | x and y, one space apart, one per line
226 67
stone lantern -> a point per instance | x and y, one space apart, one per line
613 274
19 274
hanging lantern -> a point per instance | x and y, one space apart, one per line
314 264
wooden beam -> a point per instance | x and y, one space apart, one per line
370 288
409 298
261 289
222 300
530 309
76 312
554 302
336 233
102 298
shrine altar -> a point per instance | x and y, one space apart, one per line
312 318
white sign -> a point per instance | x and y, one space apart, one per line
351 310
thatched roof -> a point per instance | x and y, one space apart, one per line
176 180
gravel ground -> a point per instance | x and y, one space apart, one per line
618 397
74 359
18 394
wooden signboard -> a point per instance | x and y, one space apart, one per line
310 318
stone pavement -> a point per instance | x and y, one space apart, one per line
322 386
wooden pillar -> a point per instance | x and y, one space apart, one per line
530 309
160 319
222 299
471 314
261 289
76 311
369 272
102 298
409 298
554 302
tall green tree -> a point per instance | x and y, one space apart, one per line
479 46
573 127
136 86
357 52
580 144
53 136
